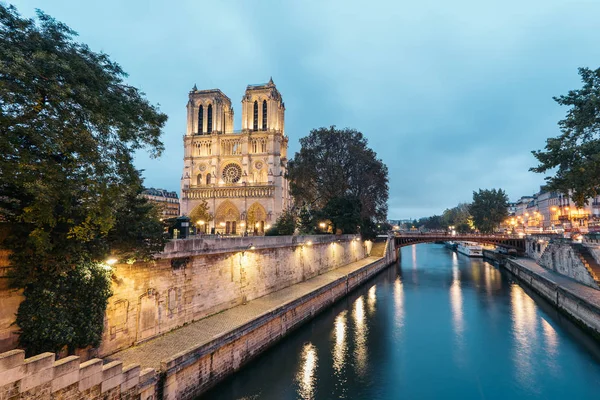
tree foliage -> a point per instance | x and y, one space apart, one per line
489 209
285 225
344 214
459 217
201 213
69 193
338 164
576 151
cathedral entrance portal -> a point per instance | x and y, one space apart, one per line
257 217
227 218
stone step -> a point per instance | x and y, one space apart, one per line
588 261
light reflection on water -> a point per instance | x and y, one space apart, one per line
455 321
360 337
306 374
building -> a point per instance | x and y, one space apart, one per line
168 202
240 174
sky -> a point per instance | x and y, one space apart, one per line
452 95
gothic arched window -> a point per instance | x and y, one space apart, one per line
264 115
255 127
200 129
199 180
208 179
209 119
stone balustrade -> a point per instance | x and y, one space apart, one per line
42 377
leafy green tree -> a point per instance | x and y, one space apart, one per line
335 164
306 221
201 213
69 193
459 216
344 214
285 224
575 153
489 209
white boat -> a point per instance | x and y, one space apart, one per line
471 249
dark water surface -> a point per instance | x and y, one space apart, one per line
437 325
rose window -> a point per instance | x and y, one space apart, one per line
232 173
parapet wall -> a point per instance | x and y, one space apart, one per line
195 278
560 256
41 377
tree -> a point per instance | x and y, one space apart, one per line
459 217
344 214
285 224
336 164
576 151
489 209
201 213
69 193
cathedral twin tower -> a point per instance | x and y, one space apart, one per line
240 174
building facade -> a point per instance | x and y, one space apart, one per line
168 202
240 174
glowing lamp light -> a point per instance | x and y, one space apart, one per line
242 223
111 261
267 226
222 224
200 222
322 225
257 225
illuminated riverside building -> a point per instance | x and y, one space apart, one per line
167 202
548 211
240 174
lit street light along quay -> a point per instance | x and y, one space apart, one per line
439 325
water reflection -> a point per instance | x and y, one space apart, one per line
399 303
340 346
360 337
456 299
524 316
551 346
306 375
372 299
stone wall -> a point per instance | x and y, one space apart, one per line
41 378
195 278
189 374
573 305
561 257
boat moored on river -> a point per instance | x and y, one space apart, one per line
471 249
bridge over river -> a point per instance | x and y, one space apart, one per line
508 241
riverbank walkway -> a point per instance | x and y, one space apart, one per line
580 290
150 353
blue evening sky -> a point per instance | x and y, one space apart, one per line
452 95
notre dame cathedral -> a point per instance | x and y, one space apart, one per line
240 174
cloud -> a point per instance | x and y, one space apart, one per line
452 96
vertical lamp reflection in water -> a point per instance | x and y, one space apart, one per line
414 264
372 299
399 307
456 303
340 349
551 342
360 337
525 335
305 377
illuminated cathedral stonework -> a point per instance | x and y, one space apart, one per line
241 174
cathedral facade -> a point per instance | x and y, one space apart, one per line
240 174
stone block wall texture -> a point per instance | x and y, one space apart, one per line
561 257
188 375
195 278
42 377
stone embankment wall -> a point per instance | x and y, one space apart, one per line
43 378
575 306
184 375
189 374
195 278
560 255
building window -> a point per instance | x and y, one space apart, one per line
208 179
255 125
199 180
200 120
264 122
209 119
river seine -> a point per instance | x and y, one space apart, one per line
437 325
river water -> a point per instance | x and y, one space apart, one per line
436 325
